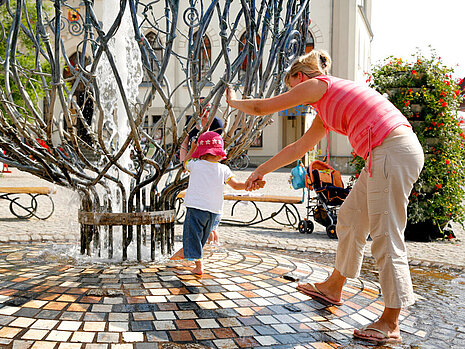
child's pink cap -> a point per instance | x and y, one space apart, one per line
209 143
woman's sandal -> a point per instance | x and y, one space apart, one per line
315 293
377 340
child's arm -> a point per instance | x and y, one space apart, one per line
188 156
239 185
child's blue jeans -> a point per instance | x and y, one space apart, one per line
197 227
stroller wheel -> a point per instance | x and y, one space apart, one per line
302 226
331 231
310 227
306 227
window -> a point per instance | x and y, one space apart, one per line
258 142
203 64
242 42
155 44
149 122
310 43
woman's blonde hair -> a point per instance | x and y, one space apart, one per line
311 64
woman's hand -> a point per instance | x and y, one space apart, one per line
230 95
255 181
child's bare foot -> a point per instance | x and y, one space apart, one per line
198 270
178 255
213 238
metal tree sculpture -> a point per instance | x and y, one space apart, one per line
75 116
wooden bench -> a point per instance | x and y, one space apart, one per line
38 202
287 205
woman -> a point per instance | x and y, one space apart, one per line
377 204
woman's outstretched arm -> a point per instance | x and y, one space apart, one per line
292 152
306 92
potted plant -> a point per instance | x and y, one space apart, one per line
425 92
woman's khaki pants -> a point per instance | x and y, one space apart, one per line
377 205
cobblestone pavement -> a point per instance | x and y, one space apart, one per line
242 301
63 226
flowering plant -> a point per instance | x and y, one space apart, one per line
425 92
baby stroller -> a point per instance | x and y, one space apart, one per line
330 194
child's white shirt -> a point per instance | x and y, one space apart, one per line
206 185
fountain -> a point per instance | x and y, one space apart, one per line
83 78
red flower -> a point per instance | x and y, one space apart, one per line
447 82
447 162
438 186
407 103
369 79
414 72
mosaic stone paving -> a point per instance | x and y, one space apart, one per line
241 301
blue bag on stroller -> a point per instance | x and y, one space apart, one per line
298 176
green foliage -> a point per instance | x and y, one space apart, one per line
26 62
425 92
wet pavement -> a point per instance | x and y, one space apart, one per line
439 310
49 299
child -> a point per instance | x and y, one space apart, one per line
204 196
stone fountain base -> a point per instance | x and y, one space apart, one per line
161 225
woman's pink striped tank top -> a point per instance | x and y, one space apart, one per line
359 112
